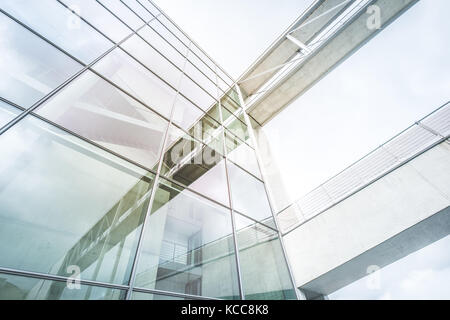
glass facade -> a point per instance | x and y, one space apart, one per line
127 162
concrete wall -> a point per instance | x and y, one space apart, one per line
323 252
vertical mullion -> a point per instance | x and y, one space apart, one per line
258 158
152 196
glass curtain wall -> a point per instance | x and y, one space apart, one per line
127 166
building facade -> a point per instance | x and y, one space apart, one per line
128 166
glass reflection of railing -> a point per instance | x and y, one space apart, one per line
413 141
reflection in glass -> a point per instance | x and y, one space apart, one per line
242 154
248 194
124 14
128 74
138 9
163 46
196 94
7 113
185 114
264 270
96 110
188 246
139 49
30 68
66 203
61 26
95 14
150 7
195 165
24 288
157 26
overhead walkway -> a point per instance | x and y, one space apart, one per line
324 36
392 202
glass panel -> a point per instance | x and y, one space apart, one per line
174 29
96 110
150 7
203 67
168 36
209 132
188 246
139 49
196 94
100 18
237 127
214 113
128 74
67 204
264 271
248 194
223 76
138 9
150 296
241 154
7 113
124 14
201 79
30 67
195 165
24 288
185 113
202 56
61 27
222 84
163 46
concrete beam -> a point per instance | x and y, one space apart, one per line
325 59
282 50
398 214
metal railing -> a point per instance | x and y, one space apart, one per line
411 142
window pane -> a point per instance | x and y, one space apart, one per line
61 27
195 165
166 22
30 68
201 79
100 18
96 110
198 52
236 126
248 194
209 132
188 246
7 113
138 9
124 14
167 35
241 154
128 74
24 288
139 49
66 203
150 7
185 113
264 270
203 67
163 46
193 91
